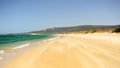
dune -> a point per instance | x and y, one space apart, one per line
73 51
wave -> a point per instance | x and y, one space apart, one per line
21 46
2 52
35 34
1 58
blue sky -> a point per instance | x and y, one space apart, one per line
28 15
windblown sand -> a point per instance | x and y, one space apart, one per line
73 51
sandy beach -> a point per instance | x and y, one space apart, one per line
73 51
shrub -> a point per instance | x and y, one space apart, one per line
93 31
116 30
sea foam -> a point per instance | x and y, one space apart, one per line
21 46
2 52
1 58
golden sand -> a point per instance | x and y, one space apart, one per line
73 51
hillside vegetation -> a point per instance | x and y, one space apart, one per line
77 29
116 30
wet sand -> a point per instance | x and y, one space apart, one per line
73 51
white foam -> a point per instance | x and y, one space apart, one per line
50 39
35 34
2 52
1 58
53 38
21 46
44 40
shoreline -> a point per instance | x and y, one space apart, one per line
72 51
19 50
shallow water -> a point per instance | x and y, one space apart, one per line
11 43
6 39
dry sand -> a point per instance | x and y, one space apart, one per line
73 51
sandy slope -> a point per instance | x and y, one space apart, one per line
73 51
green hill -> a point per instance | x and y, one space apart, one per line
77 28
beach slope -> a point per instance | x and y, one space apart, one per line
73 51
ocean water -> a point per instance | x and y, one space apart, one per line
9 42
12 46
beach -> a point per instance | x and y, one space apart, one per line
73 51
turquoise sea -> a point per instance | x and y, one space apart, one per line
15 41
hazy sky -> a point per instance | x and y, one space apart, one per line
29 15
